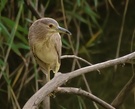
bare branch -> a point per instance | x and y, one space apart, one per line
81 92
76 57
83 75
60 79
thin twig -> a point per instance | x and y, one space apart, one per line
70 90
83 75
121 30
65 23
77 57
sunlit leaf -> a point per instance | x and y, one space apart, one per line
18 73
93 38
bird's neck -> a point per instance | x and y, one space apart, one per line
46 37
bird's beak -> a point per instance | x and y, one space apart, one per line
63 30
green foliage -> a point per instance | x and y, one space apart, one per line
95 25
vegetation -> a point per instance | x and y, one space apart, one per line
101 30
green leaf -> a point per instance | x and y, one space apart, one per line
2 4
4 31
65 43
77 16
93 38
10 24
15 49
91 13
20 32
81 103
78 2
22 46
62 107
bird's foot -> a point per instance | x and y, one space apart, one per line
51 95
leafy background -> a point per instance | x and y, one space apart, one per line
101 30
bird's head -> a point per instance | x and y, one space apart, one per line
52 26
41 28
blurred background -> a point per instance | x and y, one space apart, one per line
101 30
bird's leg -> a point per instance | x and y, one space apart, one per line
48 76
46 102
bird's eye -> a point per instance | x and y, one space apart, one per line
50 25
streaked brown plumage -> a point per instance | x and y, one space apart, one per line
45 43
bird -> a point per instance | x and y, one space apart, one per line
45 44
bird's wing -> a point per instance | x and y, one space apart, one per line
43 65
58 46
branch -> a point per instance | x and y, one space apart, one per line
76 57
60 79
83 75
32 9
81 92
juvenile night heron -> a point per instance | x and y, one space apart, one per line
45 44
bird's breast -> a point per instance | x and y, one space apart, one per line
46 51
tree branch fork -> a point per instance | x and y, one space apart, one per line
60 79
